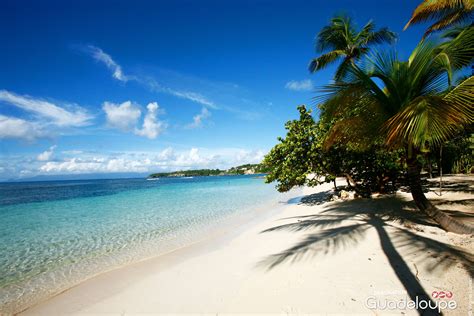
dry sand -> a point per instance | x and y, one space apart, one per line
325 272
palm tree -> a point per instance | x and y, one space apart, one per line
410 103
444 13
341 41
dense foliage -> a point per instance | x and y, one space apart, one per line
297 159
301 159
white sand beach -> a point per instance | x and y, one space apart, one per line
240 271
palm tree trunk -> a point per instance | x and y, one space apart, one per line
442 219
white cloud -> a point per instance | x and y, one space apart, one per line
197 119
148 162
77 166
252 156
11 127
74 165
47 110
149 82
47 154
153 85
99 55
192 96
152 127
117 72
303 85
166 154
123 116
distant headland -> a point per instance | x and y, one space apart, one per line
239 170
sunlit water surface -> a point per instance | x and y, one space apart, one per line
58 233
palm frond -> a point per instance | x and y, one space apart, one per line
420 122
433 9
325 60
356 113
452 18
331 37
432 120
454 32
363 77
444 12
386 67
428 71
460 49
343 69
341 38
365 32
338 96
382 36
444 60
461 100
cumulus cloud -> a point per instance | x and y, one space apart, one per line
99 55
148 162
152 127
77 166
303 85
15 128
123 116
53 113
198 119
47 154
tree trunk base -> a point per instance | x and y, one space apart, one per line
448 223
445 221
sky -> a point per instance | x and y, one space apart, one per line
92 87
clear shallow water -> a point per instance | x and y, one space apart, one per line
56 234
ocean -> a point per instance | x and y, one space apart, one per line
56 234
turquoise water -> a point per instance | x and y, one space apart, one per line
56 234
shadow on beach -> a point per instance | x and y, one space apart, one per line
346 222
312 199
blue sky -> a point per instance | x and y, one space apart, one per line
142 86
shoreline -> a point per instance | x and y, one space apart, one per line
229 273
213 233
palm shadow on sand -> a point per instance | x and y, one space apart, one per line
345 223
